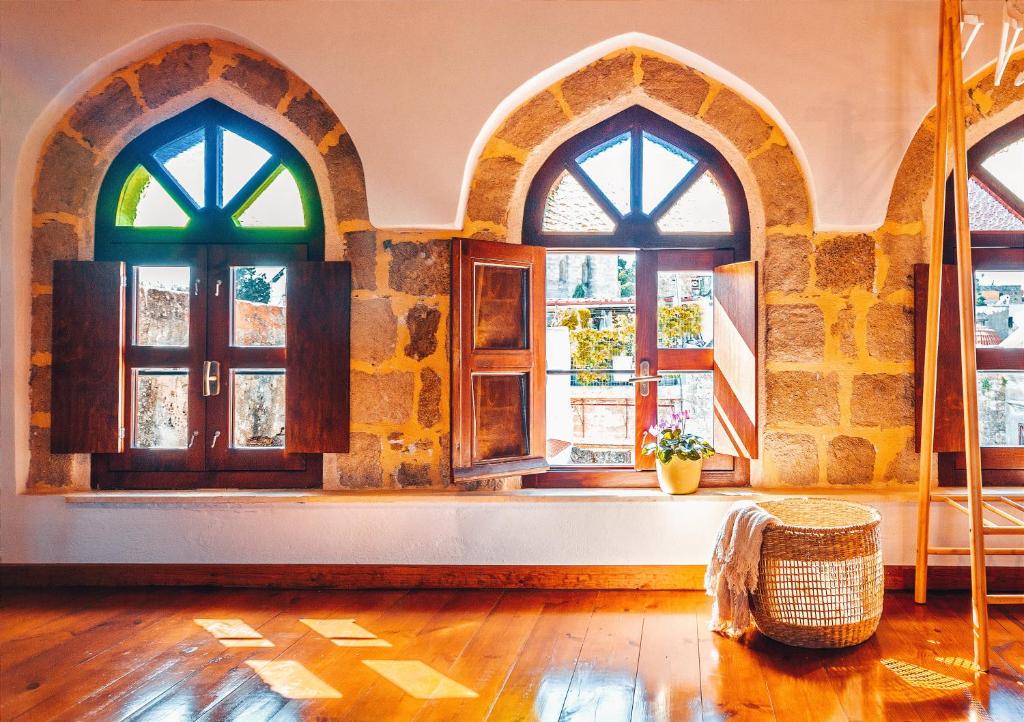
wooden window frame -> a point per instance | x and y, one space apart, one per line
637 232
217 242
990 250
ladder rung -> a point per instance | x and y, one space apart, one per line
989 506
965 551
1015 495
1005 598
1008 530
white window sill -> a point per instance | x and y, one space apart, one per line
440 496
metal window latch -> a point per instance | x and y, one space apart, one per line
216 435
192 439
211 378
645 378
216 288
195 288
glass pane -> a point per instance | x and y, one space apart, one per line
691 391
1001 408
999 308
258 305
664 166
185 160
501 317
161 409
161 305
145 204
701 209
986 213
1007 165
591 418
240 158
591 330
608 166
570 208
257 417
685 305
276 204
500 416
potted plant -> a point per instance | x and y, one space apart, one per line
679 455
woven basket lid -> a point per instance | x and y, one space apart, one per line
806 513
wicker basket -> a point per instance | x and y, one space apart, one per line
820 580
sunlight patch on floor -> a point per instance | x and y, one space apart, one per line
233 633
419 680
960 662
921 677
345 633
292 680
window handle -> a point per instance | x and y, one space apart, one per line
192 439
216 288
195 288
211 378
644 378
216 435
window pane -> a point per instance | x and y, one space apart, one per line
702 208
1007 165
999 308
144 203
161 305
1001 408
591 330
664 166
691 391
986 213
277 204
570 208
185 160
685 305
161 409
258 305
258 409
608 166
240 158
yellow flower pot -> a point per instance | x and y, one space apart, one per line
679 476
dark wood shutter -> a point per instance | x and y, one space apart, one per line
736 359
949 396
317 380
497 359
86 407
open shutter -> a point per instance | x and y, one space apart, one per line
949 396
736 359
317 369
88 357
497 359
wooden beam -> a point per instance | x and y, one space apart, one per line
969 370
931 352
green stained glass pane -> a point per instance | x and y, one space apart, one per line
185 160
144 203
276 204
239 160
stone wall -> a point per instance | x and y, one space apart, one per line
399 345
837 340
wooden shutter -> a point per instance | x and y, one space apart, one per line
87 392
736 359
317 380
949 396
497 359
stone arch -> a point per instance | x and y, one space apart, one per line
754 144
84 141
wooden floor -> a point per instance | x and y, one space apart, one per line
186 654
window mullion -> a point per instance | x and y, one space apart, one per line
251 186
681 187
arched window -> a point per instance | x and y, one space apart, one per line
995 193
230 369
636 215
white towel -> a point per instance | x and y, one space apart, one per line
732 573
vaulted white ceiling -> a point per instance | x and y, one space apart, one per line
421 84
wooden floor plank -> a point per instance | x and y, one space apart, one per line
539 681
604 679
139 655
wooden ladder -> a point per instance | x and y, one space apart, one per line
989 512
